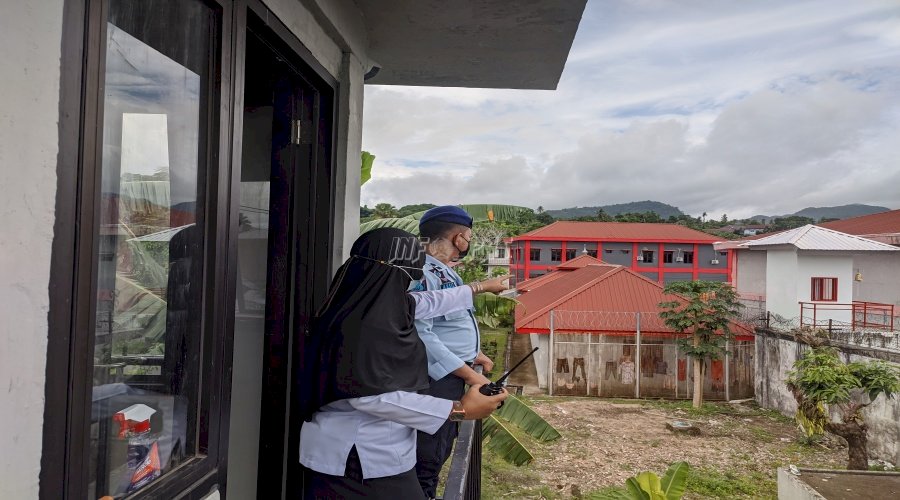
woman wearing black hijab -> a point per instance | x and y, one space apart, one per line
364 367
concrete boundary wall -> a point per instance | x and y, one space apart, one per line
775 356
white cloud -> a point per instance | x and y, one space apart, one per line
711 106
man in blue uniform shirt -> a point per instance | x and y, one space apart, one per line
452 342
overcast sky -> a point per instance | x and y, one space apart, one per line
744 108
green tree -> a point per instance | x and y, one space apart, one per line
411 209
365 211
384 211
790 222
602 216
706 312
820 381
724 218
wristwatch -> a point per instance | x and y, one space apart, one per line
458 413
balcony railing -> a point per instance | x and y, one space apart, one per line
855 316
464 478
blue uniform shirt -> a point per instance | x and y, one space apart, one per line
452 339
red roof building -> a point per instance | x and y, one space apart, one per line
661 252
588 285
883 227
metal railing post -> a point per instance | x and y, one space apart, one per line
550 374
727 370
637 360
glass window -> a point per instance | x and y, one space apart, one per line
668 257
535 254
147 338
592 253
647 255
688 257
501 253
570 253
556 254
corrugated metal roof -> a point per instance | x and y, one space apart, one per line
810 237
598 289
864 225
633 231
580 261
593 288
571 265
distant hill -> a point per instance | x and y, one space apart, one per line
661 209
839 212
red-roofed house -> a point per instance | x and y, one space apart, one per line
661 252
600 334
883 227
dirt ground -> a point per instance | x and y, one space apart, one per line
605 442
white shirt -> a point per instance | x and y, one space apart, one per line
382 427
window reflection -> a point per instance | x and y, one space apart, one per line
149 273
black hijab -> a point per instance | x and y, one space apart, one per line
363 340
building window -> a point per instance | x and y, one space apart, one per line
608 250
625 252
145 370
501 253
688 257
570 253
592 253
824 289
556 254
535 254
668 257
647 255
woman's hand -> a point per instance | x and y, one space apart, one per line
478 406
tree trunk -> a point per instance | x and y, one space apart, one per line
698 376
857 443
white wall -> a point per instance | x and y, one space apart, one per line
881 278
781 283
30 37
826 265
775 356
751 272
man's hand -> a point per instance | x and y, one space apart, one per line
494 285
483 360
478 406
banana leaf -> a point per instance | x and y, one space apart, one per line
490 308
515 411
501 441
674 483
366 171
483 212
410 225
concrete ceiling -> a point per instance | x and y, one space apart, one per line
521 44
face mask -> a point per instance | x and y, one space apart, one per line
462 253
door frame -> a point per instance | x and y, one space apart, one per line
67 391
310 260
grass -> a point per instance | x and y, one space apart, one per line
710 483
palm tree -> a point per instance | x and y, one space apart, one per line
384 211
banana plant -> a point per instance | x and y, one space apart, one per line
497 436
479 213
366 167
648 486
